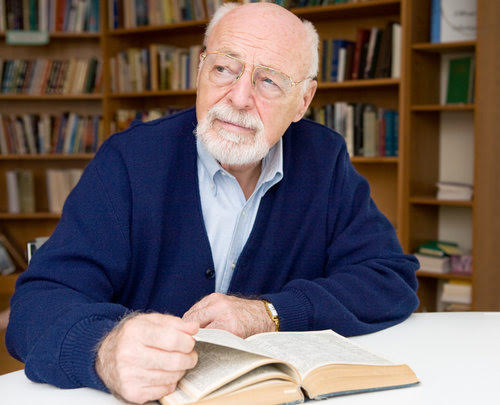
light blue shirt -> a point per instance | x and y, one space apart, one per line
228 216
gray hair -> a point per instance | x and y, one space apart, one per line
312 38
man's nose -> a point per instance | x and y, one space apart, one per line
241 95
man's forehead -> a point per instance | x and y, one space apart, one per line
255 49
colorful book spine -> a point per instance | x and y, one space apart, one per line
50 15
367 130
44 134
74 76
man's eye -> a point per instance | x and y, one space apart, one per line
220 69
267 80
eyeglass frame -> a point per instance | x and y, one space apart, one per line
293 83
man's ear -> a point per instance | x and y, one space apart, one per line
200 61
306 100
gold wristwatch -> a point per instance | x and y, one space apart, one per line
273 314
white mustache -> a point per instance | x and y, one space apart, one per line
228 114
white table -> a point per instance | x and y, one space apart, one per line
455 355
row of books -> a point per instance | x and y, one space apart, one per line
367 130
158 67
21 189
44 76
132 14
124 118
376 53
50 15
307 3
42 134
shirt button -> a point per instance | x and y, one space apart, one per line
209 273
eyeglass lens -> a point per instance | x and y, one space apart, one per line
224 71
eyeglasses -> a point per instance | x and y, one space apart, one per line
224 70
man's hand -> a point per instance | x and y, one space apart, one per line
240 316
144 356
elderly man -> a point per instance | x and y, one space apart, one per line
257 223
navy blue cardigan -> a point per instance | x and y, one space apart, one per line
132 237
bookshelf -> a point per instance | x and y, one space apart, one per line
402 186
19 228
427 117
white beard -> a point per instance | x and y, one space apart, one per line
230 148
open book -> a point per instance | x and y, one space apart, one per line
282 367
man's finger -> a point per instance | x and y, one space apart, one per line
203 316
144 378
166 320
156 392
164 361
205 302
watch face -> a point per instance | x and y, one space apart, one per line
272 309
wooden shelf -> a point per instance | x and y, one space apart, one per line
445 47
75 35
439 107
423 200
358 83
30 216
321 86
445 276
349 10
155 28
52 97
161 93
7 283
375 159
51 156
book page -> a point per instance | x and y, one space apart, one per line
217 365
309 350
224 338
262 373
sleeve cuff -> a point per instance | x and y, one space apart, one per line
78 352
294 309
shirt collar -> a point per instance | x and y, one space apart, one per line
272 164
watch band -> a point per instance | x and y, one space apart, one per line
273 314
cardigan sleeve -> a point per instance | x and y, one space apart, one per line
368 283
62 305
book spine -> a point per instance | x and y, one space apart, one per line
4 150
436 21
13 203
336 45
3 17
396 51
389 133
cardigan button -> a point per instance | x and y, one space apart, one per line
209 273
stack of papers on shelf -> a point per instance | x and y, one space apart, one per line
457 292
454 191
433 264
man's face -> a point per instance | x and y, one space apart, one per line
236 123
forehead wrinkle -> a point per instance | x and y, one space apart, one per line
237 44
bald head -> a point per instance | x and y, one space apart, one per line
268 26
